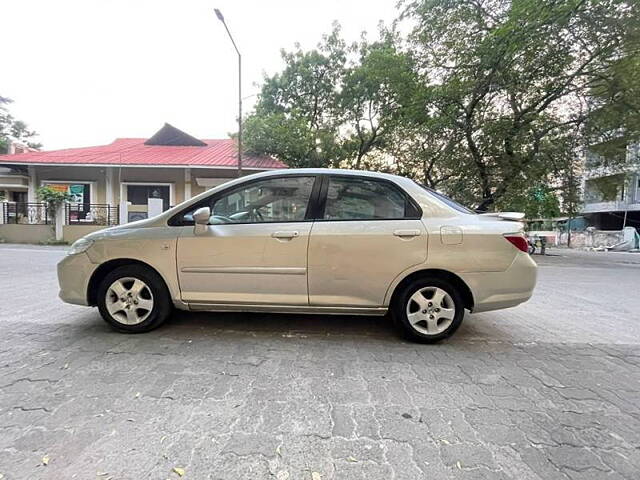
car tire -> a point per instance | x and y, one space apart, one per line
134 299
428 310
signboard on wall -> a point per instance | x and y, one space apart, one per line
76 192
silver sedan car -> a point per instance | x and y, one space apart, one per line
306 241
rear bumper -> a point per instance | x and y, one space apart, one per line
497 290
74 272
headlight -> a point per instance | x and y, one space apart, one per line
79 246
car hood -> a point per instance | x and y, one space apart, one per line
120 230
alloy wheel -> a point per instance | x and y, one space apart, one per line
430 310
129 301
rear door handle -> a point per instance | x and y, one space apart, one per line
406 233
291 234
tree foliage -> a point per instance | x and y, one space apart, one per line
333 106
487 100
12 129
52 198
614 119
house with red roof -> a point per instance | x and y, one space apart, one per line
118 182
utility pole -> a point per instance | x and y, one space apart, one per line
570 207
221 18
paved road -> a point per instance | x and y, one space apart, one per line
549 390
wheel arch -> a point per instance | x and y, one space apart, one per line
455 280
107 267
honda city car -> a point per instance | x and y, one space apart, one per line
319 241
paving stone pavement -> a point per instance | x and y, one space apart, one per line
548 390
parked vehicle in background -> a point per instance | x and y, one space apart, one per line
306 241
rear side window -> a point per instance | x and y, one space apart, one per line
449 201
353 198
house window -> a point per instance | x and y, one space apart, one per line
140 194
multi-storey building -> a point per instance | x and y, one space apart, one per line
612 193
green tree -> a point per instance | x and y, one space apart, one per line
375 87
483 99
336 105
614 119
294 118
10 128
511 76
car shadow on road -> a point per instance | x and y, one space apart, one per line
269 326
275 324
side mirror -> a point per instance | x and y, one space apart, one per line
201 219
201 215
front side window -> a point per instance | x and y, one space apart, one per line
353 198
273 200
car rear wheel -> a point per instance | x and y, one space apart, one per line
428 310
134 299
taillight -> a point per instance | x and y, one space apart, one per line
518 241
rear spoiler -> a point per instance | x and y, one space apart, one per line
513 216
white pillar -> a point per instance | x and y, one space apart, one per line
31 193
60 222
109 186
124 212
187 183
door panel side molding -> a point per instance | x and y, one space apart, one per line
249 270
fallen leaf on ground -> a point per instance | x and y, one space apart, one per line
179 471
446 442
278 451
102 474
138 395
458 465
351 459
45 460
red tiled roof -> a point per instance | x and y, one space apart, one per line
133 151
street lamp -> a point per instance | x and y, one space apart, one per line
221 18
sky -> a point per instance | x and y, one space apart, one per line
84 72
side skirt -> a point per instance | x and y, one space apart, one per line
306 309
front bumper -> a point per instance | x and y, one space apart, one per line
74 273
497 290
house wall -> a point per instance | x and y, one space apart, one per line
593 238
17 233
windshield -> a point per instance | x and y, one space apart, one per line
450 202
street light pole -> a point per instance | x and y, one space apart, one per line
221 18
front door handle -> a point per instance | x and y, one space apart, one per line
406 233
284 234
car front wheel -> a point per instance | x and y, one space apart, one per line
428 310
134 299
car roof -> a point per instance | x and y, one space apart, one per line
329 171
